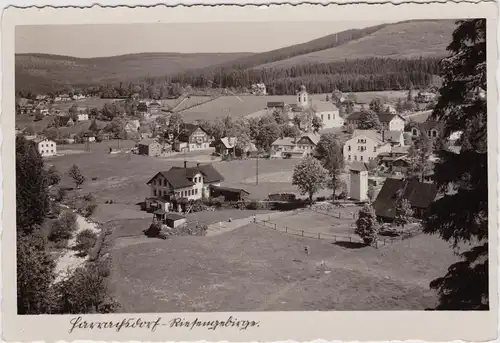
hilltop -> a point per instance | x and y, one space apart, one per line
403 40
412 39
47 71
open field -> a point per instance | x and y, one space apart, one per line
250 104
259 269
122 177
400 40
88 102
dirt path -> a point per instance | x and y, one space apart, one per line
221 227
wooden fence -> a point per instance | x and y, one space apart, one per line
336 237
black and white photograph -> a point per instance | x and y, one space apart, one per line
253 166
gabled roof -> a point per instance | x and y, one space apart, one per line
420 195
324 106
285 141
180 177
229 142
229 189
393 136
358 166
372 134
314 138
387 117
275 104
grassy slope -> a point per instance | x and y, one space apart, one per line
253 268
401 40
46 70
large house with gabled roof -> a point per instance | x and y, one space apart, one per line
191 183
192 138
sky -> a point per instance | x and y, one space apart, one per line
120 39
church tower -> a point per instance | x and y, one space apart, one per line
303 97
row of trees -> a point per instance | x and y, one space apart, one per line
85 291
372 74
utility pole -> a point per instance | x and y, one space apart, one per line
257 170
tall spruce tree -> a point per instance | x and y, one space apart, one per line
32 199
461 215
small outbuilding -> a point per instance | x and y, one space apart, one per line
149 147
229 194
170 219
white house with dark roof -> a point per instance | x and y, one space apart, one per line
295 147
190 183
46 147
392 121
329 114
364 146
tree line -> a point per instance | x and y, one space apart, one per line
370 74
42 224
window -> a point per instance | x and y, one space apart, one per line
361 158
355 158
414 131
321 117
328 116
349 157
434 133
196 191
154 192
374 149
348 148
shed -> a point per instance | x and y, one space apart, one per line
169 218
419 194
229 194
149 147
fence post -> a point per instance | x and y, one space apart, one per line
286 228
376 244
302 233
275 226
339 215
319 235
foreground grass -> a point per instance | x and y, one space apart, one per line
253 268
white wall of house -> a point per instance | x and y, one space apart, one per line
83 116
358 189
396 124
47 148
363 149
161 187
331 119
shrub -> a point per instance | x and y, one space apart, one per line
85 241
153 230
190 229
366 225
257 205
63 228
282 196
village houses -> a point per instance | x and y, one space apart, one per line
295 147
429 128
389 121
229 146
192 138
365 145
149 147
45 147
